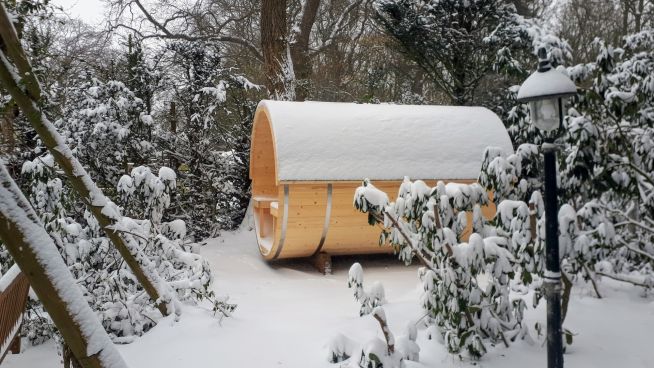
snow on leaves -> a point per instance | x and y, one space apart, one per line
429 223
369 299
110 287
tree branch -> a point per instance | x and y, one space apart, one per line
386 332
165 33
625 278
406 237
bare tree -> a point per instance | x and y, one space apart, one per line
284 30
582 21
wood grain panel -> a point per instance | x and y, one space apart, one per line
349 232
306 217
263 164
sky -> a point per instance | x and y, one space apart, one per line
90 11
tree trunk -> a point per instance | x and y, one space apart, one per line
273 44
7 129
300 50
459 97
638 16
625 17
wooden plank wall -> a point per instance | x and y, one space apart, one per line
12 306
348 232
263 164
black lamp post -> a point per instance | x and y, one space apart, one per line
545 91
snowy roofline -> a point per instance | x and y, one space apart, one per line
319 141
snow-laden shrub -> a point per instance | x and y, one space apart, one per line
209 146
378 353
107 127
374 353
369 299
406 344
340 348
606 168
110 287
145 195
585 235
428 224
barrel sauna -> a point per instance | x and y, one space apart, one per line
307 159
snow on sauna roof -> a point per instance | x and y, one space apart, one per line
348 141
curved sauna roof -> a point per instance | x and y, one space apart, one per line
328 141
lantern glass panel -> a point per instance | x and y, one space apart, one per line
545 113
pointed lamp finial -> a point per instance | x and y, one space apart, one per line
544 63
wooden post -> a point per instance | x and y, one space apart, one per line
322 262
15 345
38 258
27 99
12 307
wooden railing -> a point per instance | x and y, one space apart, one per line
12 307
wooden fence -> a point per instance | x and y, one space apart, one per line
12 306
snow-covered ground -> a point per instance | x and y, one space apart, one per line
287 313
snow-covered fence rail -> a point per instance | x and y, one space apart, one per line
14 288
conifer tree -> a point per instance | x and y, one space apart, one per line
463 45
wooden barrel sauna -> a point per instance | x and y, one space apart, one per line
307 159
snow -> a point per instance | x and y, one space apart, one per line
125 185
356 273
551 82
288 315
8 277
339 347
167 174
371 195
175 229
347 141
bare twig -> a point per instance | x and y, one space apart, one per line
636 250
592 281
565 297
166 33
406 237
632 222
624 278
